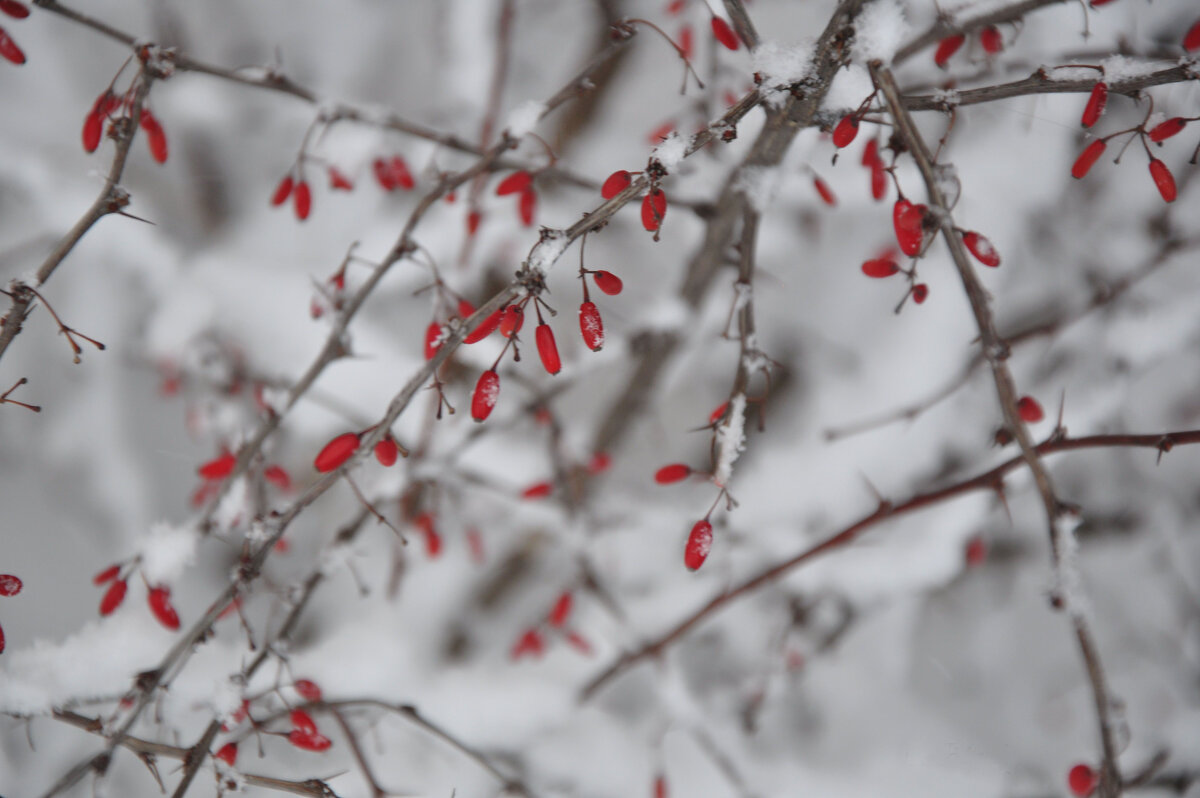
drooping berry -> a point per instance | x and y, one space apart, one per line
156 138
10 585
227 754
336 452
433 541
654 208
676 472
487 391
880 268
615 183
685 41
920 292
433 339
302 200
725 34
1029 410
608 282
591 326
823 189
93 127
1163 179
386 452
14 9
283 191
845 131
991 40
547 348
907 220
9 49
400 174
113 596
107 575
946 48
219 468
484 328
308 689
530 643
1088 158
517 181
1095 104
560 611
982 249
1081 780
699 544
302 721
527 206
309 741
538 490
511 321
1164 130
339 181
1191 39
159 599
879 182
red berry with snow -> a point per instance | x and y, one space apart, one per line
982 249
487 391
591 326
699 544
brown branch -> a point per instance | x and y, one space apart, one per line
986 481
742 24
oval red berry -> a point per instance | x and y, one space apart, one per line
1081 780
14 9
676 472
159 599
156 139
283 191
113 597
591 326
1163 179
725 34
219 468
527 206
845 131
511 321
617 182
227 754
517 181
10 50
487 391
947 47
880 268
699 544
336 452
484 328
10 585
561 610
982 249
107 575
308 689
386 452
654 208
991 40
825 192
1087 158
547 348
1029 410
608 282
433 339
1164 130
1095 104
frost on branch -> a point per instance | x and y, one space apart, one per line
167 551
730 437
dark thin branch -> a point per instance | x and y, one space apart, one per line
946 26
986 481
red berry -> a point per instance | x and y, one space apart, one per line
591 326
487 391
517 181
600 462
825 191
1029 410
338 181
879 182
465 308
1163 179
433 343
1164 130
579 643
9 585
608 282
302 200
107 575
547 348
511 321
724 33
654 208
529 643
278 476
218 468
719 413
947 47
386 452
527 206
675 6
433 541
156 139
383 174
1095 104
617 182
991 40
1088 158
484 328
14 9
561 610
538 490
1081 779
661 132
309 741
282 191
699 544
976 551
113 597
870 154
920 293
227 754
907 219
159 599
302 721
685 41
845 131
880 268
400 174
660 786
982 249
308 689
676 472
93 127
9 49
1191 39
336 452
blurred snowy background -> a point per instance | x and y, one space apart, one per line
895 665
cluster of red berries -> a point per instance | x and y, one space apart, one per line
303 734
990 39
8 48
158 597
335 453
110 104
532 642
